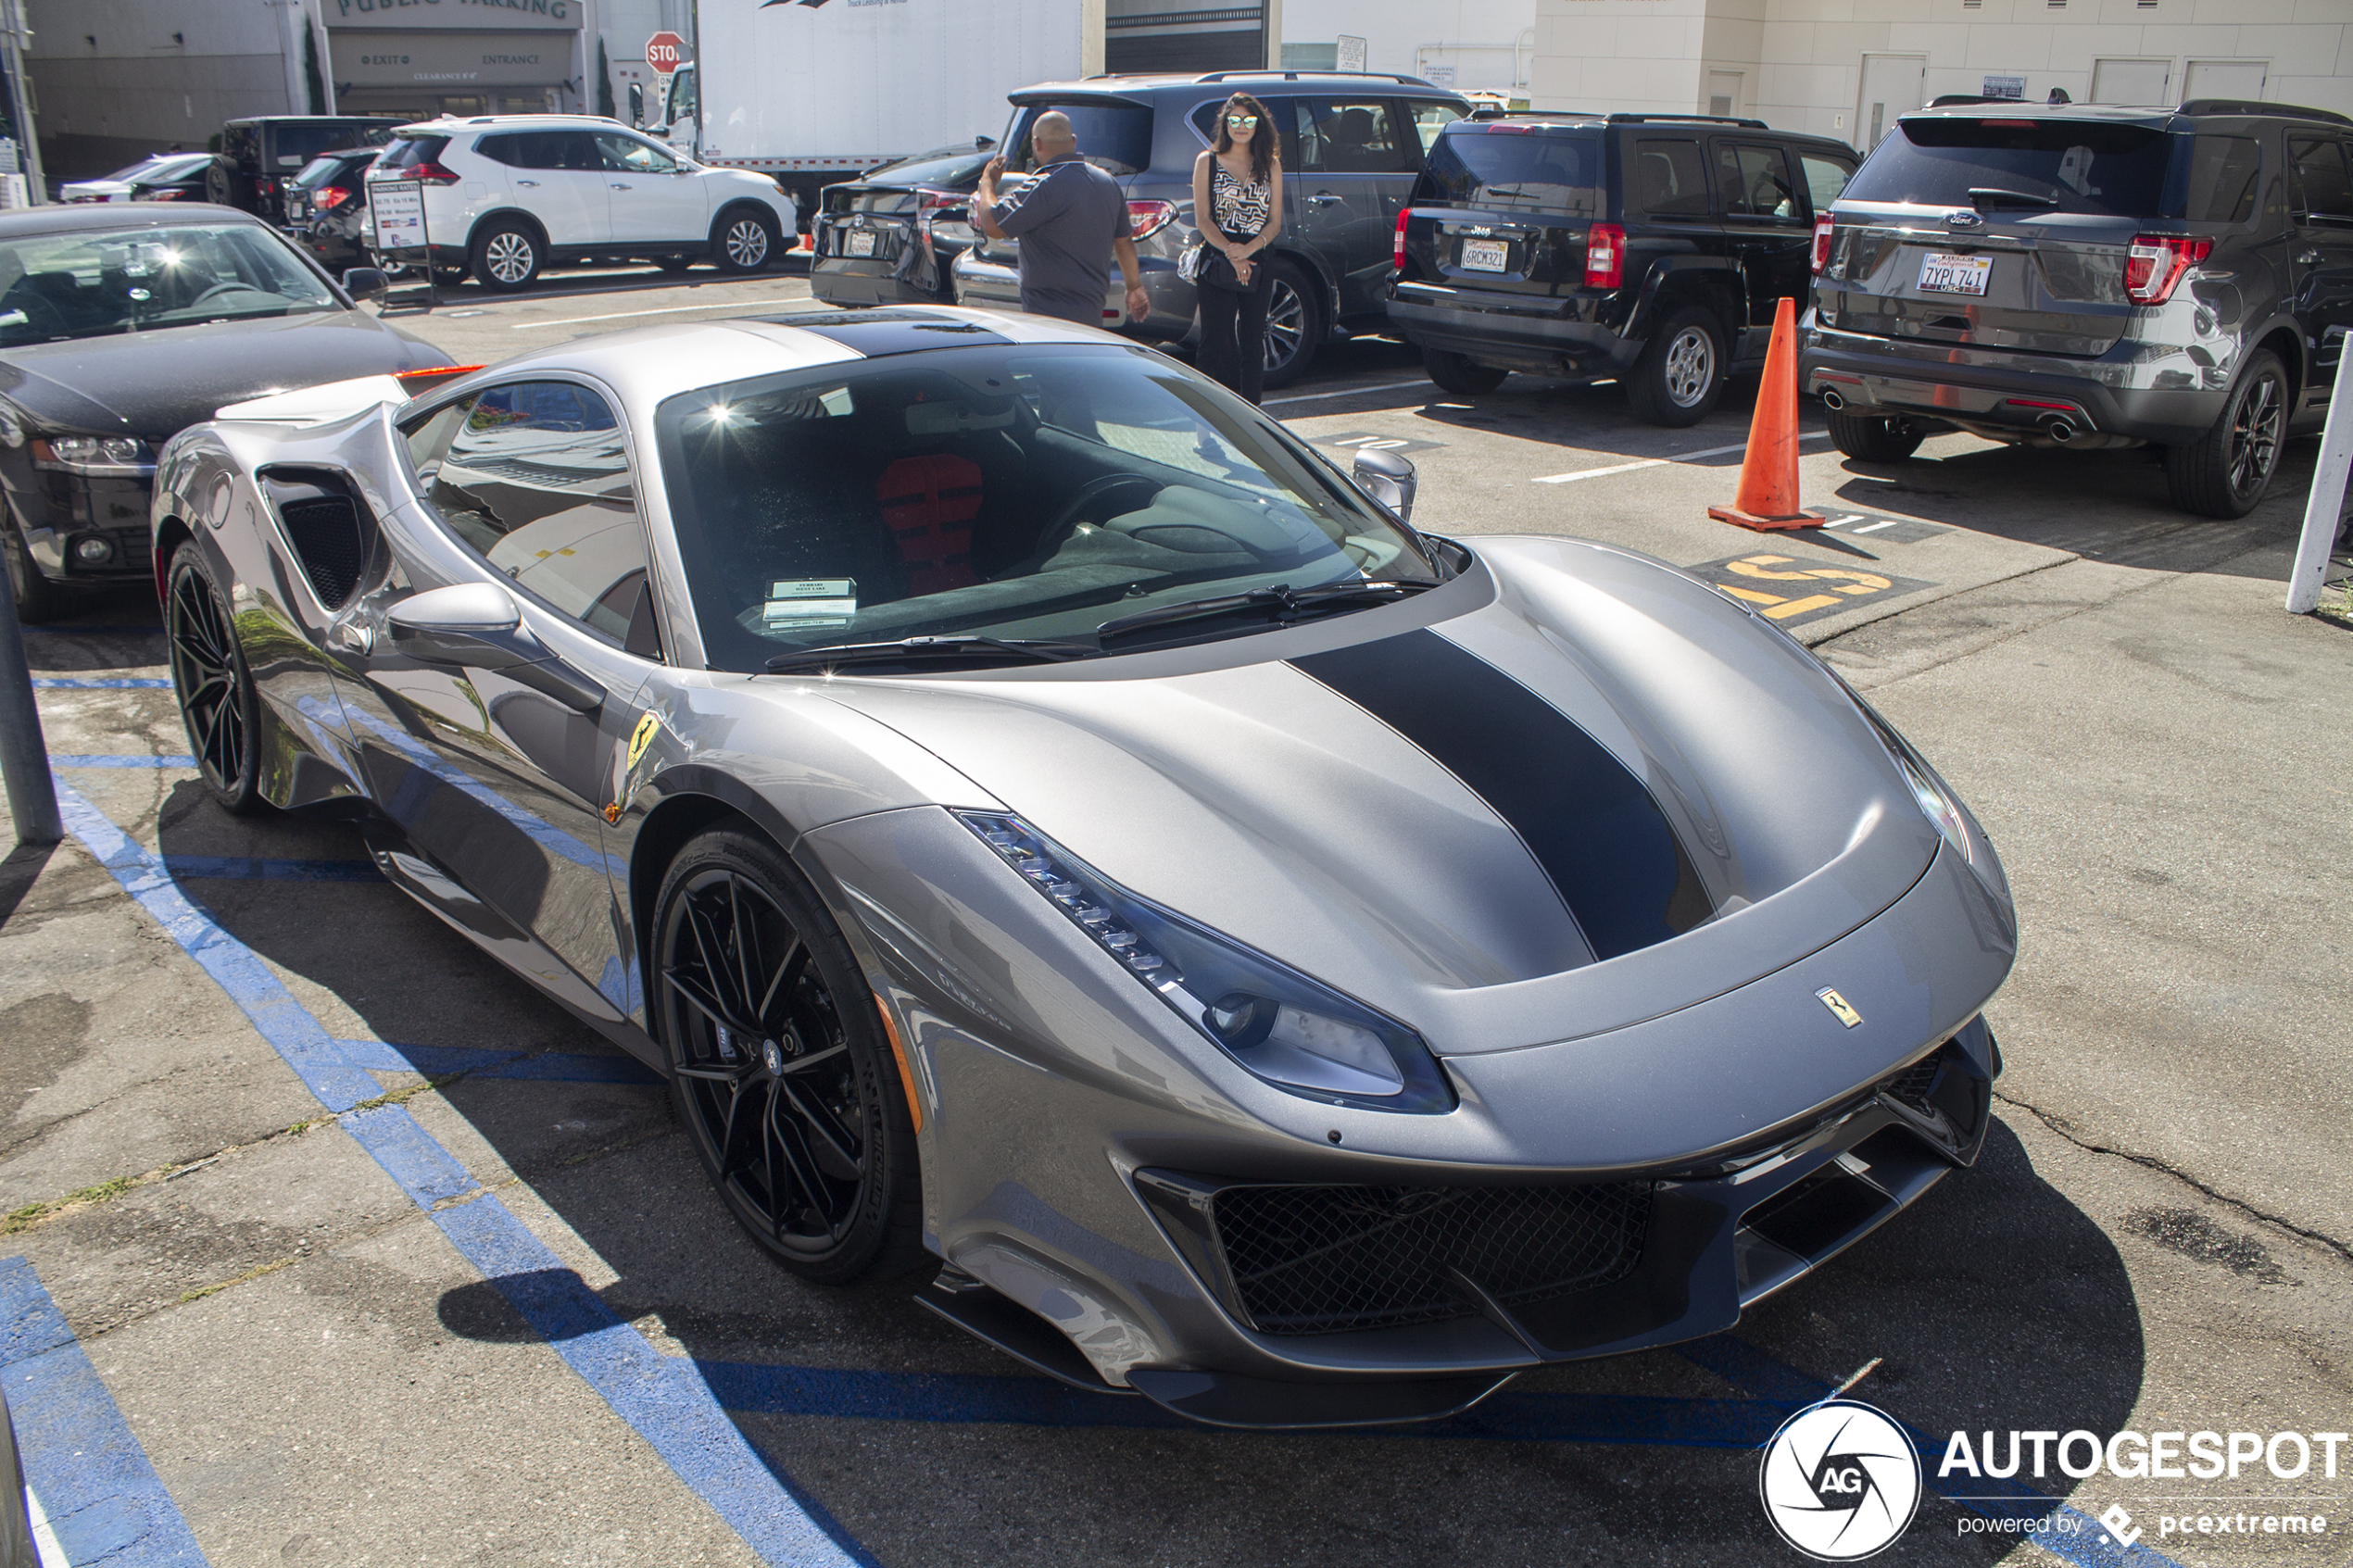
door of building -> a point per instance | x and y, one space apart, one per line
2132 82
1891 84
2225 79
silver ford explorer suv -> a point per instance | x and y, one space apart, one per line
2089 276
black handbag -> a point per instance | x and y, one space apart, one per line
1205 266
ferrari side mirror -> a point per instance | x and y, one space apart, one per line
477 627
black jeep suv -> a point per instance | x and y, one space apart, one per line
2089 276
1647 248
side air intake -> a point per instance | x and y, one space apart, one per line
326 525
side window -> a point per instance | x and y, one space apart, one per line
2222 178
2322 185
1428 119
1752 182
506 149
1669 179
1825 177
627 154
1283 111
535 477
1352 136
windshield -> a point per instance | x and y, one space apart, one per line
2059 165
952 169
1509 167
1004 491
1114 136
89 283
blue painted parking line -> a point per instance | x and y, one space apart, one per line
559 1067
660 1396
63 684
2088 1544
101 1497
238 867
85 759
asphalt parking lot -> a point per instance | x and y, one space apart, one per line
275 1131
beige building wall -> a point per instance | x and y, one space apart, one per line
1800 64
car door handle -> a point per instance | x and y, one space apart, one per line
620 187
533 183
2307 258
1326 199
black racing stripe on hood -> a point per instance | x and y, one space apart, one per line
1587 821
876 334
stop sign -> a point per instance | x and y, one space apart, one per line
665 51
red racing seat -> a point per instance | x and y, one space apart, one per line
928 503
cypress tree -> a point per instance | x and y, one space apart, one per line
313 79
604 81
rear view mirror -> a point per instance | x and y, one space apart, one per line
1389 479
367 282
637 103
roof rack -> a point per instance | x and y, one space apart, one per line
1295 75
2256 106
1708 118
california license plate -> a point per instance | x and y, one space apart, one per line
861 243
1955 274
1485 256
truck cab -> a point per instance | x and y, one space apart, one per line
680 122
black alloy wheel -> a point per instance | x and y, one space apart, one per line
1294 324
2226 471
214 688
781 1068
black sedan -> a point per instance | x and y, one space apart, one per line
327 207
122 325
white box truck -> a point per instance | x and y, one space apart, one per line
812 93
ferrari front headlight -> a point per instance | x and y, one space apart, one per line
1283 1026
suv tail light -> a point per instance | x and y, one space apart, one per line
326 198
1397 251
2156 263
1605 256
431 173
1821 244
1149 217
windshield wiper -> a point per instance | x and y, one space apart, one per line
1279 603
1994 195
924 650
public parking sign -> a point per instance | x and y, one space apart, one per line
665 51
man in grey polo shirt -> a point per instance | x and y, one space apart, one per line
1070 219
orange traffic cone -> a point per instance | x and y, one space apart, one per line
1767 497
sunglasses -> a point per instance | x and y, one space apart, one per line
1242 121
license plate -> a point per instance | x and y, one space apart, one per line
296 208
1955 274
861 243
1485 256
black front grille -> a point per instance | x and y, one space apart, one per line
1912 1085
1324 1259
326 539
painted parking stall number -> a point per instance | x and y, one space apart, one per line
1788 590
1373 441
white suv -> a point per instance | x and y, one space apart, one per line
506 194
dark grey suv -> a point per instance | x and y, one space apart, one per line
1353 146
2086 276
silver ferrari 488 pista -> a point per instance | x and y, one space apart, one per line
1048 825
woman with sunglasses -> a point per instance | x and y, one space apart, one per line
1238 186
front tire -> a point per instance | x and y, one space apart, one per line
1294 324
1681 375
506 256
1873 441
213 687
782 1071
2226 471
38 600
743 241
1459 374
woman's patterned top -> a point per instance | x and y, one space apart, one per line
1241 207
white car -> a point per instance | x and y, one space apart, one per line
506 194
124 184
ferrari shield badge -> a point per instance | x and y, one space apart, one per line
1840 1008
642 737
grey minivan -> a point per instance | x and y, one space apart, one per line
1353 146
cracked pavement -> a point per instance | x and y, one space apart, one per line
2159 1234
